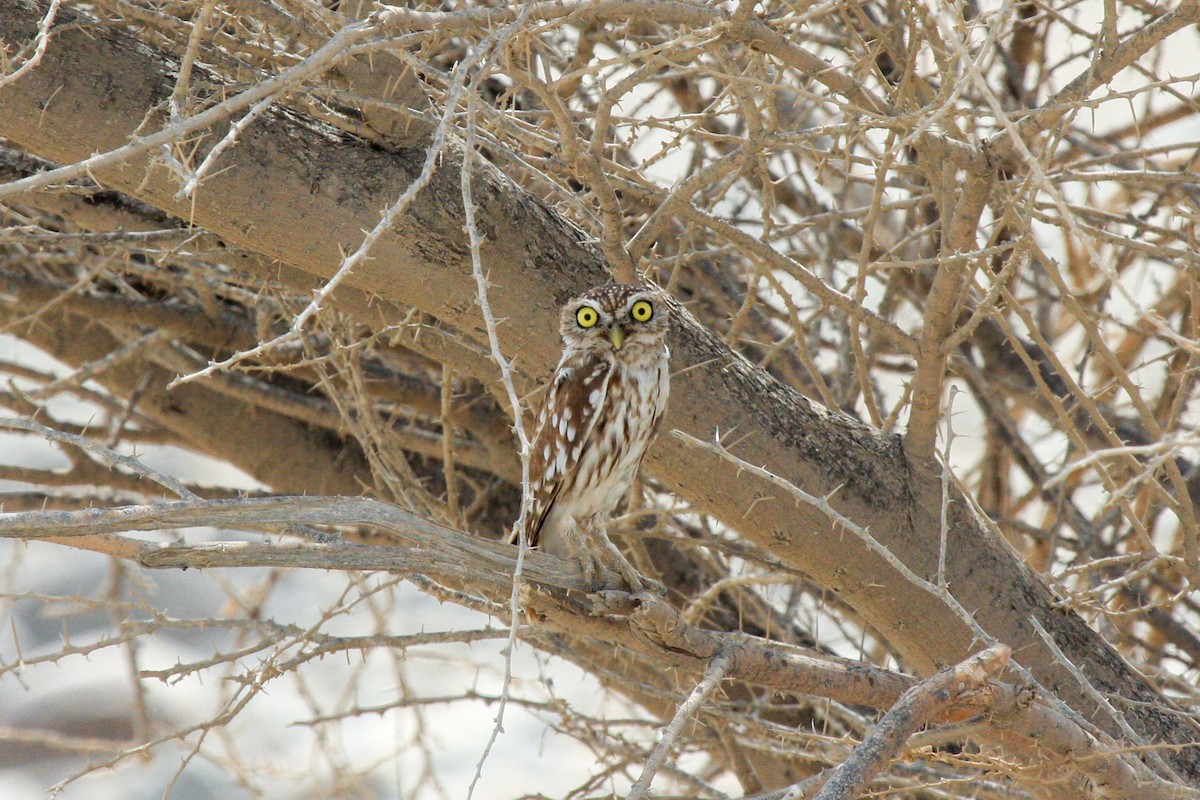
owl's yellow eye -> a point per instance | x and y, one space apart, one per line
642 311
587 317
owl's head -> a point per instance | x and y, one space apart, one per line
630 319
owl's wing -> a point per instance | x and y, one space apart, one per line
565 423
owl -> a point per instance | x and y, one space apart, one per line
597 419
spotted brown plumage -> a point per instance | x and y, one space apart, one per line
598 416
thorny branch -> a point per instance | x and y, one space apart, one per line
919 704
878 204
652 626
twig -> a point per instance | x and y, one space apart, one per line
179 94
100 365
492 43
667 736
919 704
105 455
1102 701
43 39
944 514
227 141
332 52
823 505
1166 447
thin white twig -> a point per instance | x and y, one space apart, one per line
219 366
667 736
227 141
1133 737
100 365
943 517
110 458
489 46
180 92
43 40
329 54
1166 446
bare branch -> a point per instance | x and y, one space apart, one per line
918 706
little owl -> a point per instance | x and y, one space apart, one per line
599 414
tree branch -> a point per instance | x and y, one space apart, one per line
919 705
295 190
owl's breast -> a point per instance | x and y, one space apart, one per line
636 398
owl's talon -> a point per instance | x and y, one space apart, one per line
602 547
592 572
632 579
653 587
611 602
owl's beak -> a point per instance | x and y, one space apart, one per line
617 335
